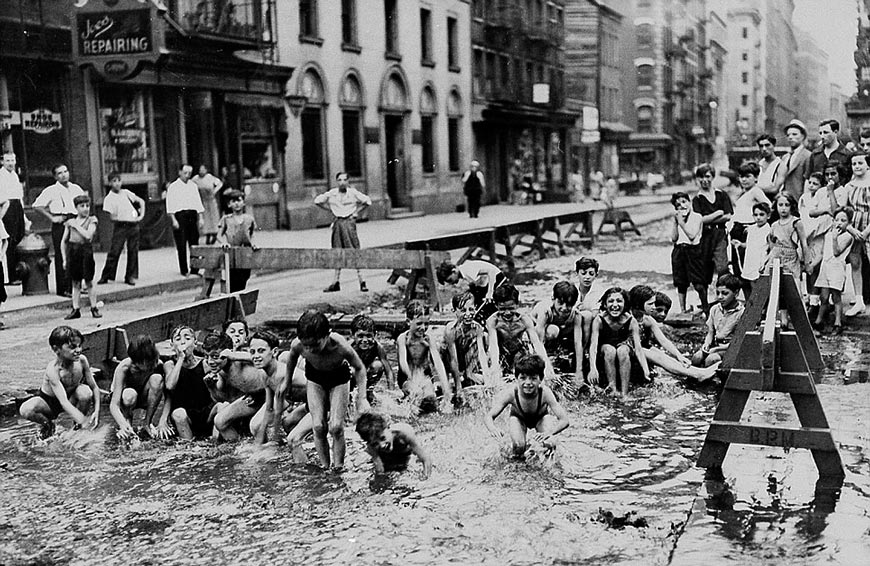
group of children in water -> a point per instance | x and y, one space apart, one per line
236 382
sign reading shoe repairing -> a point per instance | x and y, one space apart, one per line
41 121
116 37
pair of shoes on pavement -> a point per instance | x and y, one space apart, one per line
336 286
103 281
856 310
77 313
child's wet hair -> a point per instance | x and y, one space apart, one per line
177 330
229 322
460 300
586 263
362 322
662 300
730 282
64 335
416 308
762 206
566 292
313 324
614 291
270 338
529 364
677 196
216 341
234 194
370 426
638 295
505 293
142 349
444 270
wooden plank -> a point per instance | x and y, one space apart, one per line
809 410
97 345
304 258
793 303
784 437
784 382
752 315
476 238
712 454
769 332
731 404
434 294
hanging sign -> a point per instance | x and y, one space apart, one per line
41 121
9 119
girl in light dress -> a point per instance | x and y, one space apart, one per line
832 273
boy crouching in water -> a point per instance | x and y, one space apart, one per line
329 363
420 361
390 446
532 407
137 383
371 352
67 386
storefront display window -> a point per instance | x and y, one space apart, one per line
124 131
257 135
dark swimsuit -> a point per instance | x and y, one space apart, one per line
52 402
530 420
192 395
615 337
328 379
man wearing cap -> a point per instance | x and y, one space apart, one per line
794 167
830 149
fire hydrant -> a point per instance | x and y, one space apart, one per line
33 266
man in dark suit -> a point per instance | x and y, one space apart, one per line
794 167
831 149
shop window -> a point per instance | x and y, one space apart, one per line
256 137
126 147
452 44
308 24
426 37
391 26
645 119
348 24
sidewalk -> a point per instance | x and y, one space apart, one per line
158 272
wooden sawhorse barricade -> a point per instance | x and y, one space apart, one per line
617 217
419 263
772 359
105 346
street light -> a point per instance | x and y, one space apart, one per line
296 102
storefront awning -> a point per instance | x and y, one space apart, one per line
246 99
640 141
525 115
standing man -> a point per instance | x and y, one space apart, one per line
768 163
55 202
209 189
793 170
185 210
12 215
830 149
345 203
473 185
126 211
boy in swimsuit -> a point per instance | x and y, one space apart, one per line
188 399
464 345
67 386
137 383
237 330
507 329
390 446
554 319
533 407
587 271
371 352
419 358
330 362
721 322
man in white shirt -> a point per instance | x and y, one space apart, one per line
12 214
126 211
345 203
185 209
768 164
55 202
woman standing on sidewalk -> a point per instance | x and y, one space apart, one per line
345 203
715 208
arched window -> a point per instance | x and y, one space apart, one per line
312 125
454 130
351 102
645 76
428 116
644 35
645 116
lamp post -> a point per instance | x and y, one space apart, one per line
296 102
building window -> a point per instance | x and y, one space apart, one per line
744 77
454 122
351 103
312 125
428 115
348 23
744 100
452 44
745 33
490 73
308 19
644 34
477 74
745 56
391 26
645 119
645 76
124 128
426 37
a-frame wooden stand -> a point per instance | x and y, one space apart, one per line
772 359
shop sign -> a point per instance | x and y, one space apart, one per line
540 93
115 37
590 136
41 121
590 118
9 119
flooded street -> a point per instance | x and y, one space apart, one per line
621 488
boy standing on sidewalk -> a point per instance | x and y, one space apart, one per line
126 211
78 255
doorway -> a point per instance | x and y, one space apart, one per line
394 132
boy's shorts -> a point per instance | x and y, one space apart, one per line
687 265
53 404
80 261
